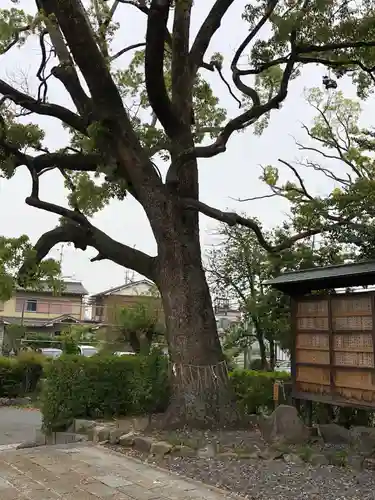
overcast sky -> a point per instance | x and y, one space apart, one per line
233 174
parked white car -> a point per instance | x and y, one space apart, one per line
51 352
87 350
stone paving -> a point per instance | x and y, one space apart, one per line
87 472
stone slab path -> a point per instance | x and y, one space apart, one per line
87 472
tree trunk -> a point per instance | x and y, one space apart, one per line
262 349
202 396
272 355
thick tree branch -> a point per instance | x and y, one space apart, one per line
248 117
65 71
250 92
154 68
53 110
79 230
118 136
182 80
232 219
82 238
206 32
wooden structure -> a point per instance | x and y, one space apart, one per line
333 334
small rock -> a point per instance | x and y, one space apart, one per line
127 440
283 425
334 434
292 459
115 435
101 433
208 451
28 444
319 459
356 462
362 438
82 426
143 444
160 448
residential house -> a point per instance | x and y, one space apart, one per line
107 304
42 311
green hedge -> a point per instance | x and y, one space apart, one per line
109 386
103 387
19 376
254 389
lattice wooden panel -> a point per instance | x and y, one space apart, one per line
351 306
310 356
311 341
361 359
313 388
361 342
350 323
316 324
353 379
312 308
313 375
356 395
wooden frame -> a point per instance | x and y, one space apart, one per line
333 349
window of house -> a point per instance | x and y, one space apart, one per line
31 306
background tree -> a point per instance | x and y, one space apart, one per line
238 268
341 152
139 325
113 147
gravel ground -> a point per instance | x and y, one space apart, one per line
271 480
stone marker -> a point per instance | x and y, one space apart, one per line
283 425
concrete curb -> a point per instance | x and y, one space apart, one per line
55 438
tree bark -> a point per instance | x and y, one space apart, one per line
272 355
202 395
262 348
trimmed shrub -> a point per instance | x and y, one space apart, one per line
20 375
254 389
103 387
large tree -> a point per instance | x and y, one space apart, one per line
118 145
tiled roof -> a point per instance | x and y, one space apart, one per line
36 322
112 291
68 288
338 276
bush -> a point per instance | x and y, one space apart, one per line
254 389
19 376
103 387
